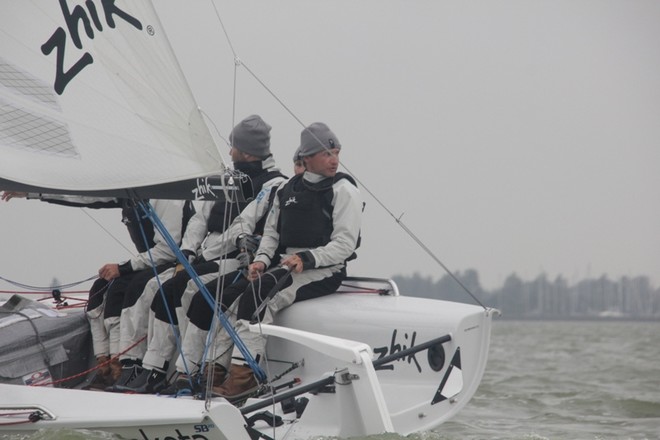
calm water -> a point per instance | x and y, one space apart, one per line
551 380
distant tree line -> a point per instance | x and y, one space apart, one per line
541 298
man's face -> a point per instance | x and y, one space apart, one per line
236 155
324 162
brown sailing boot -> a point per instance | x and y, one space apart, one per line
102 377
240 383
103 368
115 370
219 374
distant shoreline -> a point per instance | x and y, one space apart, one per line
580 318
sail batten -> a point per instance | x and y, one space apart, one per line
105 105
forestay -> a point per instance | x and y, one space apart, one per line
93 98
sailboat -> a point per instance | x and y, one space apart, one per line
90 88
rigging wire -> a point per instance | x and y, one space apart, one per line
107 232
238 62
219 296
224 30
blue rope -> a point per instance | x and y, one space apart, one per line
160 285
258 372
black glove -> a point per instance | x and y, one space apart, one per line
244 259
190 255
248 243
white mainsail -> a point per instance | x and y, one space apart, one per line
92 98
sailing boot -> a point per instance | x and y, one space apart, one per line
184 385
219 374
147 382
239 384
130 369
103 363
196 383
115 369
102 377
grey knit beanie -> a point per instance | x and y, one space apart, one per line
252 136
317 137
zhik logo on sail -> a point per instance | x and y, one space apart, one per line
85 17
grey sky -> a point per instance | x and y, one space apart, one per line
514 136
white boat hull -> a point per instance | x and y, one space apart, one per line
132 416
341 337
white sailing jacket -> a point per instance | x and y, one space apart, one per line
346 222
170 213
214 245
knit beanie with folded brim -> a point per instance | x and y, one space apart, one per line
252 136
317 137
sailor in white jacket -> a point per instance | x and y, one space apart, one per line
316 219
116 280
211 250
199 316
